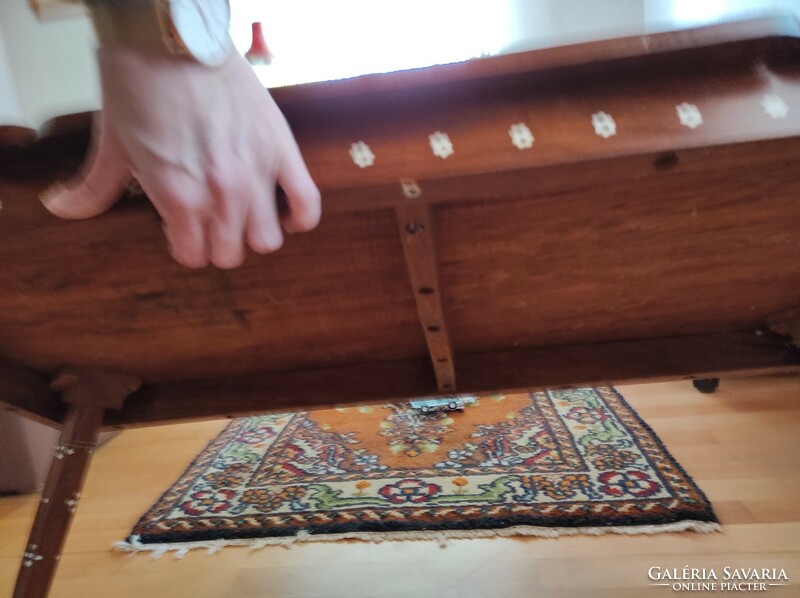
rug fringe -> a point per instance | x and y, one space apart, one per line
134 544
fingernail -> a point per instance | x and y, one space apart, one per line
50 195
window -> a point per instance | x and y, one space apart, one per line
700 12
314 40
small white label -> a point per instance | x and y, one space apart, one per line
410 188
441 145
521 136
362 154
604 125
689 115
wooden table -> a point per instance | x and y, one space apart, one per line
617 211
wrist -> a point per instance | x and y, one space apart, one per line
195 29
129 25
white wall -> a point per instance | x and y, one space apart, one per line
10 113
541 24
52 63
688 13
27 448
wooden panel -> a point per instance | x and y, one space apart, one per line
557 106
579 365
702 247
104 293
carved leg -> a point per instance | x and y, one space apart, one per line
88 394
59 500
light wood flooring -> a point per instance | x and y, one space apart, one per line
741 444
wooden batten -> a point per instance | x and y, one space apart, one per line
701 356
416 236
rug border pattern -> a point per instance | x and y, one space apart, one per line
644 515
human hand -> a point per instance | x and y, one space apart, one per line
206 144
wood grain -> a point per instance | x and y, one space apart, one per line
658 232
703 249
104 293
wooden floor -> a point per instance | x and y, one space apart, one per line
741 444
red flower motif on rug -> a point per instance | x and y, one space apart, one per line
208 501
635 483
410 491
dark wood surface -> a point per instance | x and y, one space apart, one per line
702 356
656 233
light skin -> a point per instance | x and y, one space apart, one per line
207 145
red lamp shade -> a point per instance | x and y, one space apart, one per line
259 51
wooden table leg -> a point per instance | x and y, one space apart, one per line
88 393
60 497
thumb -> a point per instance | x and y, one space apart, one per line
97 187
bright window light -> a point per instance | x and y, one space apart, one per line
317 40
698 12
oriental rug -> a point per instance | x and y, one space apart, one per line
543 464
